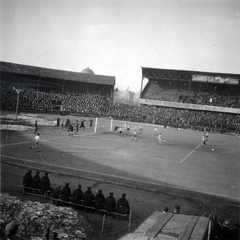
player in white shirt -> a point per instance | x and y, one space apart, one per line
203 140
36 140
134 136
159 139
120 131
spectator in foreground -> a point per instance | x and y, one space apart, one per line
165 209
110 203
56 192
88 197
123 205
27 179
45 183
66 193
11 229
222 230
176 209
99 200
77 195
36 181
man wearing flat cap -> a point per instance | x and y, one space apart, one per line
88 197
122 205
77 195
45 183
36 181
110 203
27 179
99 200
66 193
222 230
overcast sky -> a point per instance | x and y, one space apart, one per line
118 37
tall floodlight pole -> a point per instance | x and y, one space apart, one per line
18 92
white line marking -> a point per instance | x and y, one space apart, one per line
125 178
11 144
44 140
191 152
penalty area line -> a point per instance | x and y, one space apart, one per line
191 152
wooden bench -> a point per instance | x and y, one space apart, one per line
69 203
35 192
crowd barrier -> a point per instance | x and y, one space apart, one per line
47 195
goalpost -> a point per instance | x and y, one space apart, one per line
103 125
108 124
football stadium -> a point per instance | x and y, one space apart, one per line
180 140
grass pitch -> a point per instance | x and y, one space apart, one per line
180 161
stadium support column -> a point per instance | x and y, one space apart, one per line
96 123
111 124
189 85
141 87
18 92
63 85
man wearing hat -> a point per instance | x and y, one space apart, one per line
176 209
27 180
56 192
11 229
110 203
222 230
36 181
122 205
165 209
44 183
99 200
77 195
66 193
88 197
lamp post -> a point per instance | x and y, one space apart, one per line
18 92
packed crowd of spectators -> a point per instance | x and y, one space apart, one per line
182 118
203 94
95 103
91 103
204 98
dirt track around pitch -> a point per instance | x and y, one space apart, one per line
143 200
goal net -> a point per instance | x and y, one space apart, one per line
103 125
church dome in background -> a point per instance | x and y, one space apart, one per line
87 71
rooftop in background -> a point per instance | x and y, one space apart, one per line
86 75
88 71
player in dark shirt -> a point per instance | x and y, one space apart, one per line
82 125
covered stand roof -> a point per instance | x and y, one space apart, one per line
87 75
186 75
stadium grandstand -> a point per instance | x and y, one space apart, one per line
53 90
181 98
174 98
